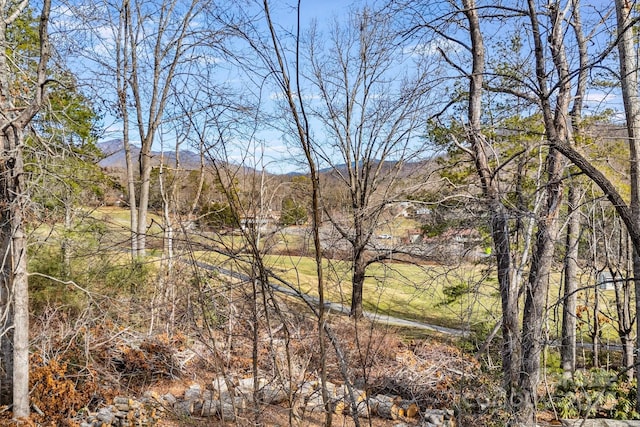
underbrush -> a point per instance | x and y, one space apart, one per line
81 364
116 328
593 393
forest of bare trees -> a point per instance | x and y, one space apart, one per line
226 191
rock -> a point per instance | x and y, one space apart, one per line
599 423
184 407
273 394
224 403
219 385
313 402
215 408
105 415
192 393
245 385
170 399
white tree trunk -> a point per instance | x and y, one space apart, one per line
14 259
631 99
21 294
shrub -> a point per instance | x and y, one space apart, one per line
54 394
594 393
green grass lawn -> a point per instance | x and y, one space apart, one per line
402 290
461 296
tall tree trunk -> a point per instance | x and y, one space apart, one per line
570 297
569 301
15 290
359 267
623 303
596 330
499 215
536 292
537 288
16 381
143 197
122 72
18 256
631 100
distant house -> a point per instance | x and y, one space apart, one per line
261 223
457 243
606 282
414 236
461 235
401 209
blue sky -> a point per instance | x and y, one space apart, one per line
269 148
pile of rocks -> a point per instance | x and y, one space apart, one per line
125 412
225 399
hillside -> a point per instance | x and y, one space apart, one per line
114 156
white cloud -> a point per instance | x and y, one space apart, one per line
599 97
431 48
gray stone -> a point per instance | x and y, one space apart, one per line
210 408
122 407
122 414
184 407
314 403
219 385
600 423
273 394
170 399
215 408
245 385
192 393
105 415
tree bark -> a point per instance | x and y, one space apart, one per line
569 300
631 100
122 73
15 290
556 129
20 282
623 303
499 215
359 267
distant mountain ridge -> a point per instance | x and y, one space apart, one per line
114 156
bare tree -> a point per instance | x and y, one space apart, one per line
499 214
163 52
275 61
17 113
569 303
372 118
148 45
629 80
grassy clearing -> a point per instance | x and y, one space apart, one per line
402 290
121 218
460 296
